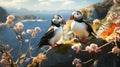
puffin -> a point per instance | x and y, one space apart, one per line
79 27
54 33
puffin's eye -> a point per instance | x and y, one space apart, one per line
58 18
77 13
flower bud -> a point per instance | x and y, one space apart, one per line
9 22
23 33
19 26
37 29
11 17
29 31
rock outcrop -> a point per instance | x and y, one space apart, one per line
3 15
97 11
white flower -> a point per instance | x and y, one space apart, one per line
115 50
19 26
29 31
9 22
22 61
117 30
31 49
87 48
23 33
96 21
26 40
76 47
17 37
37 29
76 61
93 46
10 17
117 21
110 38
28 59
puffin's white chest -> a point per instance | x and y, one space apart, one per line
58 34
79 29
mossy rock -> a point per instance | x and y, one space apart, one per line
63 49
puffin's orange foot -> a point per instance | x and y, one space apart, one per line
84 40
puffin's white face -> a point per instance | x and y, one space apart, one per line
77 15
57 19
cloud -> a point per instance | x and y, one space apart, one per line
73 5
41 0
57 0
19 1
42 5
13 3
49 5
66 3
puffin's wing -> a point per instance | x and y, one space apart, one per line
90 30
45 39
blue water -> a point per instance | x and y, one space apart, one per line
7 35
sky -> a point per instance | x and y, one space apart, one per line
49 5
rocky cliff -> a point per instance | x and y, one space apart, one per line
97 11
26 17
3 14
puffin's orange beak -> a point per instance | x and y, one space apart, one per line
71 17
64 21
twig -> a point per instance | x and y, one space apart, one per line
21 45
87 61
105 44
29 50
94 58
116 40
99 48
47 50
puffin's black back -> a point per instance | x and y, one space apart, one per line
45 39
89 29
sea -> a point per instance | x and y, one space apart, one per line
8 37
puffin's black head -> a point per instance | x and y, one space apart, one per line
77 16
57 20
